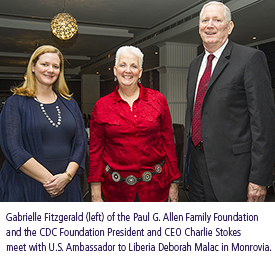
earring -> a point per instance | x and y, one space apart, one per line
33 71
115 78
139 80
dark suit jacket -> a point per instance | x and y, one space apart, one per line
238 121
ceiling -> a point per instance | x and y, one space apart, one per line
105 25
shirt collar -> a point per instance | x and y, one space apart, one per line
142 95
217 53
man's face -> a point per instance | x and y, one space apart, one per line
213 27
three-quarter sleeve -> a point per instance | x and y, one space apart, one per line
79 152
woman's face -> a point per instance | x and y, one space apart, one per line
127 69
47 69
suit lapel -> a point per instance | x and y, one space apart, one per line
222 63
194 77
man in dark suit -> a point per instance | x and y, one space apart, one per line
231 130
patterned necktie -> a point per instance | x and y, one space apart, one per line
196 120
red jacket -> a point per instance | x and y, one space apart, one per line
132 142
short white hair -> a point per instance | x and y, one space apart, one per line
132 50
227 11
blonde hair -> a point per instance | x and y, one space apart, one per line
28 88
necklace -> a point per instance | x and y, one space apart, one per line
59 118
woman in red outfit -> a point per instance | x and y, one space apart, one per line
132 151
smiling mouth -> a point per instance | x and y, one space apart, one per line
210 33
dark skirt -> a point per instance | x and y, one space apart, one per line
72 191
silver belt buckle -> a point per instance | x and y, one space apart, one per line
116 176
147 176
131 180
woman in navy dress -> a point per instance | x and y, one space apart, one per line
42 135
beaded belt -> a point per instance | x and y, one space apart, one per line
131 179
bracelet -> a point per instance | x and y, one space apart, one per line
69 175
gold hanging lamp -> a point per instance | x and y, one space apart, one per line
63 25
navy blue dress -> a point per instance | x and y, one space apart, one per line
56 159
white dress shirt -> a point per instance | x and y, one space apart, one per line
217 55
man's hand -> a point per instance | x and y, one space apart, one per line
256 193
